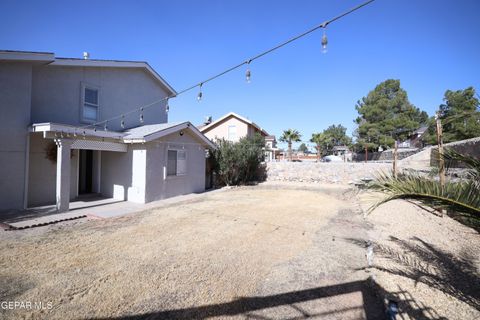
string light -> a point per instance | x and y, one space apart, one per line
248 73
105 127
84 134
167 107
200 94
122 123
141 115
324 41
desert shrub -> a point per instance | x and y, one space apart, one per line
237 163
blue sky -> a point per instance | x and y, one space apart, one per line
431 46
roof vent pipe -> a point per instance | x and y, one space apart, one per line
86 55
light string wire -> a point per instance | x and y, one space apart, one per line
248 61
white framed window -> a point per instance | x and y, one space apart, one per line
176 162
90 103
232 133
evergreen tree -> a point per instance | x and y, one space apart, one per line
386 115
460 117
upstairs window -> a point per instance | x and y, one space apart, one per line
89 104
232 133
176 163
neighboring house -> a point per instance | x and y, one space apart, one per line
343 152
232 127
46 157
415 140
270 147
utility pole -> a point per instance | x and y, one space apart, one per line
441 160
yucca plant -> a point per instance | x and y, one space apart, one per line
461 197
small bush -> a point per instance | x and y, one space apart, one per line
237 163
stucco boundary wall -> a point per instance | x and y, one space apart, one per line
469 146
322 172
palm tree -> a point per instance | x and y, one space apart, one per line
319 139
462 197
289 136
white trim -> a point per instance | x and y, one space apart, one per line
78 173
232 114
68 129
83 86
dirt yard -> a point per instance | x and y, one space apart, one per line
264 252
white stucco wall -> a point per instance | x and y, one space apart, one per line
15 88
193 181
138 175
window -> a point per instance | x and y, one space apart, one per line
89 104
232 133
176 162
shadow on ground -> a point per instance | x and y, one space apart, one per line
247 306
422 262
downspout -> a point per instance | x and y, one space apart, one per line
27 167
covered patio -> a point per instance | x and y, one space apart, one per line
67 139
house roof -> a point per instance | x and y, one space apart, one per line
50 59
139 134
151 132
421 130
228 115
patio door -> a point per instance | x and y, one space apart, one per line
85 172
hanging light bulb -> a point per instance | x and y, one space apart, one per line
167 107
74 132
84 134
248 73
141 115
200 94
122 123
324 41
105 127
94 129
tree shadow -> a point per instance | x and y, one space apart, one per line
455 275
256 307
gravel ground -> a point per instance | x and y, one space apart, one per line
429 264
255 252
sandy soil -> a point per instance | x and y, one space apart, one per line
275 251
429 264
254 252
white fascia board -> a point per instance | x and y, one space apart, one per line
232 114
114 64
68 129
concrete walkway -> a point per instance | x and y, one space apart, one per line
98 208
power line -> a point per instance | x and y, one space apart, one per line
246 62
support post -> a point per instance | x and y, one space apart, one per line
395 157
63 174
366 153
441 160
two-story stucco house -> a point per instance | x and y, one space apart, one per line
232 127
47 156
